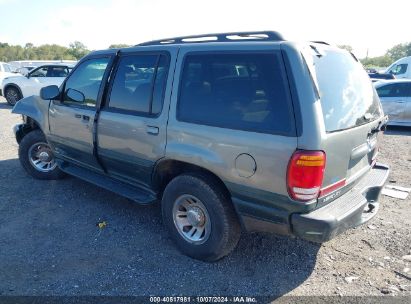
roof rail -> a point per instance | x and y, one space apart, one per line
221 37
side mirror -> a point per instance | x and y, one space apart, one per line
75 95
50 92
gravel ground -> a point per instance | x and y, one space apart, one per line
50 244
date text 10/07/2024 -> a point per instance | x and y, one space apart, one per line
203 299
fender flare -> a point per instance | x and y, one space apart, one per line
36 109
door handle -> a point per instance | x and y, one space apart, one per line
152 130
399 101
84 117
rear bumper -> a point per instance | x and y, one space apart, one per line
352 209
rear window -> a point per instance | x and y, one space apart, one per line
244 91
348 98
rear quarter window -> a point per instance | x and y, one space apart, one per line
243 91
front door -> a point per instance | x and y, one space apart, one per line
132 124
71 119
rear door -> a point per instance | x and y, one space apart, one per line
350 114
132 124
394 97
72 120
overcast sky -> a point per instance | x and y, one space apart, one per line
364 24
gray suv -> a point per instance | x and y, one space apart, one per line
230 132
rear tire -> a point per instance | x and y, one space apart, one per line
12 95
36 157
200 217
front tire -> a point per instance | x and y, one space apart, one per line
200 217
37 158
12 95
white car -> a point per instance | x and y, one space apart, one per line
5 71
17 87
395 96
401 68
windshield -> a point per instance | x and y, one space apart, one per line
347 96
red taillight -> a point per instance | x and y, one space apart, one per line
305 174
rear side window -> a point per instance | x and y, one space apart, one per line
139 84
57 72
243 91
395 90
348 98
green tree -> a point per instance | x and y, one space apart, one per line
380 61
400 50
346 47
118 46
42 52
78 50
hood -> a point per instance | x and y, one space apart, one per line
10 78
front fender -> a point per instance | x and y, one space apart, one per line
35 108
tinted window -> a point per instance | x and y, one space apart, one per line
57 71
347 96
41 72
139 84
394 90
86 79
7 68
236 91
398 69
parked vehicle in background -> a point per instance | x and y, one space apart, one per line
17 86
36 63
395 96
5 71
401 68
379 76
229 131
25 70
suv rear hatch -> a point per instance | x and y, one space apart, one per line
352 116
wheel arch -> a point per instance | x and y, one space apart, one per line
35 115
12 84
167 169
29 125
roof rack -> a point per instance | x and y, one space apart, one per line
221 37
